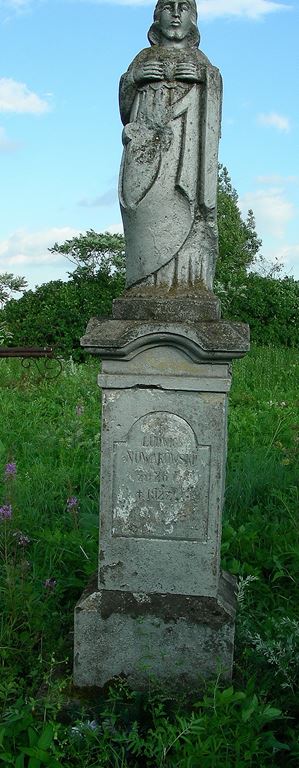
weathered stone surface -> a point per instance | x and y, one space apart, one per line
161 608
159 459
166 368
163 455
162 475
167 361
220 340
164 416
176 639
170 103
204 307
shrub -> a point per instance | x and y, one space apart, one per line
56 313
269 305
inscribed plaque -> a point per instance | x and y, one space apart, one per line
161 478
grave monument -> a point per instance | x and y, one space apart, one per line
161 606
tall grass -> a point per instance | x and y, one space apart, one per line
50 431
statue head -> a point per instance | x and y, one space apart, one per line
175 21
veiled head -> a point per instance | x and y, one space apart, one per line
188 30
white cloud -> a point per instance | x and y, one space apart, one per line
13 7
16 5
252 9
108 198
281 122
114 229
16 97
275 178
288 256
272 210
24 248
6 144
209 9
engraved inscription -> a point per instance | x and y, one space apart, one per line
161 480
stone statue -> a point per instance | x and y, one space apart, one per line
170 104
166 373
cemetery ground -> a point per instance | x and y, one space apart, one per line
49 486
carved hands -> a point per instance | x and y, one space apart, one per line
187 71
155 71
148 71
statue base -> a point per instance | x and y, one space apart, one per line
194 304
173 640
161 608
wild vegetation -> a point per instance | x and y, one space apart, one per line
49 488
49 456
56 313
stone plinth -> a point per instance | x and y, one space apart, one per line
176 640
197 304
161 606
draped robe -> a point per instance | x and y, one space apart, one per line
168 176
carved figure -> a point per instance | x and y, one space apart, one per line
170 104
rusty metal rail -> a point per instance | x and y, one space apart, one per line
32 355
26 352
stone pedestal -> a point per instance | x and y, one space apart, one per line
161 606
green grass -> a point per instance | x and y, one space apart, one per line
51 429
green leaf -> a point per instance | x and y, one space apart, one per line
277 745
46 738
20 761
37 753
239 696
271 713
250 709
278 575
33 737
226 695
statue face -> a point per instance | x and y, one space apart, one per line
175 20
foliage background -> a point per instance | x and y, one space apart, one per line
49 488
50 430
250 291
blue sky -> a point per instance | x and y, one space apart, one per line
60 131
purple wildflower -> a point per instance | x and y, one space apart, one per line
72 502
21 539
6 512
50 583
10 470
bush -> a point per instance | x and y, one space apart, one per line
269 305
56 313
